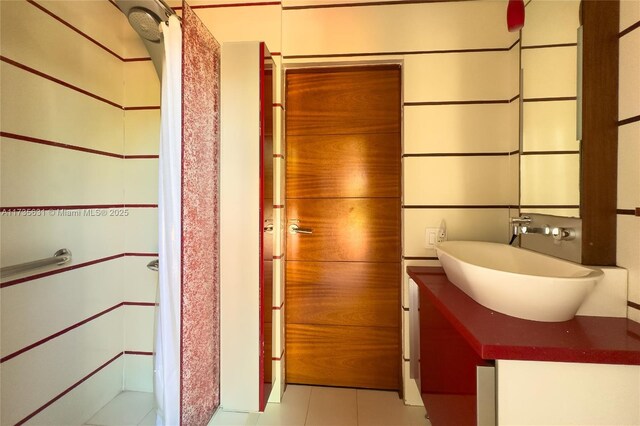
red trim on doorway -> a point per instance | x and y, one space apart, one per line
261 397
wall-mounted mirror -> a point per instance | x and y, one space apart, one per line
563 83
550 149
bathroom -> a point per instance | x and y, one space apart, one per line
80 151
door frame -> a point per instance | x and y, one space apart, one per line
286 67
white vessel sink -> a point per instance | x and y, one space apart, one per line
517 282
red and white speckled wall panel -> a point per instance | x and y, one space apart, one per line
200 380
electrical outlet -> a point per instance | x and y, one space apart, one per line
442 235
430 238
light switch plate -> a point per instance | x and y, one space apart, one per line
430 238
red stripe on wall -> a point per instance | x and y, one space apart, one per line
59 144
77 207
69 389
83 34
139 304
141 157
138 353
278 257
59 271
75 147
278 156
278 358
63 83
70 268
218 5
57 80
278 206
141 108
277 308
59 333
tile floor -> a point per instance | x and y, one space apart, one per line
300 406
323 406
126 409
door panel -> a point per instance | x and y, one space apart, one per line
345 229
343 356
344 102
343 165
343 293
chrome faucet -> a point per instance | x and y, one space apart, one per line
517 223
521 226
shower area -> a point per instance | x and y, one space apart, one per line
95 192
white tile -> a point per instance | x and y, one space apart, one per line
88 237
456 77
81 403
549 72
456 180
278 383
142 132
377 408
149 419
278 281
628 252
549 126
128 408
405 279
629 13
230 418
141 83
32 38
457 128
550 179
411 27
258 23
332 407
411 392
629 83
628 170
278 338
462 224
141 230
140 284
139 324
514 180
62 361
291 411
140 181
551 22
27 110
35 174
101 29
633 314
29 315
552 212
138 373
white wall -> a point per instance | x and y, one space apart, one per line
628 246
63 149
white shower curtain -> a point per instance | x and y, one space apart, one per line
167 356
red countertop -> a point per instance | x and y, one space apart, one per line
601 340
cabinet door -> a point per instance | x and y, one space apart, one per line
448 370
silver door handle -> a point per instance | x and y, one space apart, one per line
295 229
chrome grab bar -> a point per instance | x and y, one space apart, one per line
154 265
59 258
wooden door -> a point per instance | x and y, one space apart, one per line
343 181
